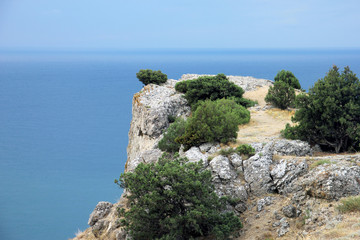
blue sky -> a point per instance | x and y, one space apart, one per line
133 24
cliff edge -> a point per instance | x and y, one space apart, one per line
287 190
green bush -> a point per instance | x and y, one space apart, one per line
246 149
227 152
329 115
287 77
211 88
291 132
147 76
281 95
174 199
176 129
349 204
214 121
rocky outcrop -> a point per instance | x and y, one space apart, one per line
151 108
331 182
195 155
257 171
103 222
285 172
101 210
283 168
291 147
222 170
149 156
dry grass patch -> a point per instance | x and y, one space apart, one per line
349 204
281 114
320 162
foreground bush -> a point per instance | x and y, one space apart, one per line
287 77
149 76
211 88
214 121
329 115
175 130
173 199
281 95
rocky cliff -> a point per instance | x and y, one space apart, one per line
281 187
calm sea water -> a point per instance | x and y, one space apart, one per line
64 119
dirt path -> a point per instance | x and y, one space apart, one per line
264 125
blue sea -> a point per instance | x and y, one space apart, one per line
65 116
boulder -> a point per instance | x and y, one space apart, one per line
284 227
286 172
331 181
101 210
98 228
291 147
257 171
205 147
195 155
236 161
289 211
267 201
222 168
234 189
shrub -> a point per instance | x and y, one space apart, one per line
214 121
246 149
287 77
176 129
174 199
349 204
211 88
329 115
281 95
147 76
291 132
227 152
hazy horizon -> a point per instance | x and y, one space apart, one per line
159 24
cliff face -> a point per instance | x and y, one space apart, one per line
151 108
277 187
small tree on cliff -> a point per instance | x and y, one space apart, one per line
148 76
329 114
174 199
287 77
282 95
175 130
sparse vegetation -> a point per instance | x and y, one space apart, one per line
174 199
227 151
147 76
349 204
320 162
